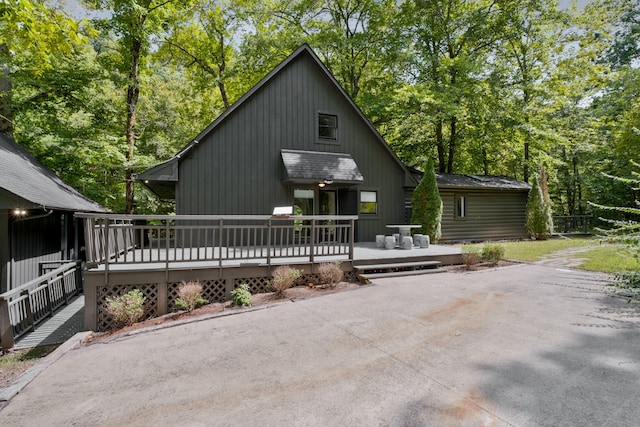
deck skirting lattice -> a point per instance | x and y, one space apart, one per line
257 285
213 290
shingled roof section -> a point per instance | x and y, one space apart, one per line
317 166
480 181
22 176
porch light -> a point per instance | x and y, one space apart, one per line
321 184
19 212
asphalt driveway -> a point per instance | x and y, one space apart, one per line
527 345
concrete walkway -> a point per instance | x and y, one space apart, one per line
528 345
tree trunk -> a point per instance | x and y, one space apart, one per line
452 144
442 166
133 94
577 186
222 67
6 112
485 161
525 174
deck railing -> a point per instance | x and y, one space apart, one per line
23 308
167 239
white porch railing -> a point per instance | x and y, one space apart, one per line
23 308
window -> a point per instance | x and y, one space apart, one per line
461 207
327 127
368 202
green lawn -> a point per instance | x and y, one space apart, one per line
609 259
603 258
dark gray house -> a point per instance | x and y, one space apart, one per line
295 139
478 208
36 216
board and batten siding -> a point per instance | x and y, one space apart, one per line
237 167
34 241
490 215
4 250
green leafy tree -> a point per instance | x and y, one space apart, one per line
448 42
622 221
426 204
135 23
350 36
539 222
623 227
203 41
37 34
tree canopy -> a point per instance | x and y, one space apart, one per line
481 87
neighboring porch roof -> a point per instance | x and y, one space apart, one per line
26 183
316 166
162 178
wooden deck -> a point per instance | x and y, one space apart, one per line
63 325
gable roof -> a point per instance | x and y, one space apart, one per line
32 185
157 174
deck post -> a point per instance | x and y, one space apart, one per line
6 329
49 298
106 251
269 246
351 237
163 298
78 277
166 250
313 240
29 309
220 228
91 302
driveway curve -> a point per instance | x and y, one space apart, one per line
527 345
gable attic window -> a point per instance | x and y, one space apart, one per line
327 127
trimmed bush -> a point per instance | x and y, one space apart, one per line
470 259
492 253
126 309
283 278
241 296
330 273
190 296
426 205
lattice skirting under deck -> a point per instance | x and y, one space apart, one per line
212 290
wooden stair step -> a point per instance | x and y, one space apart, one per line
365 267
369 276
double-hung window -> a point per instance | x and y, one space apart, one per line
327 127
368 202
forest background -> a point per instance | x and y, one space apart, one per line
486 87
